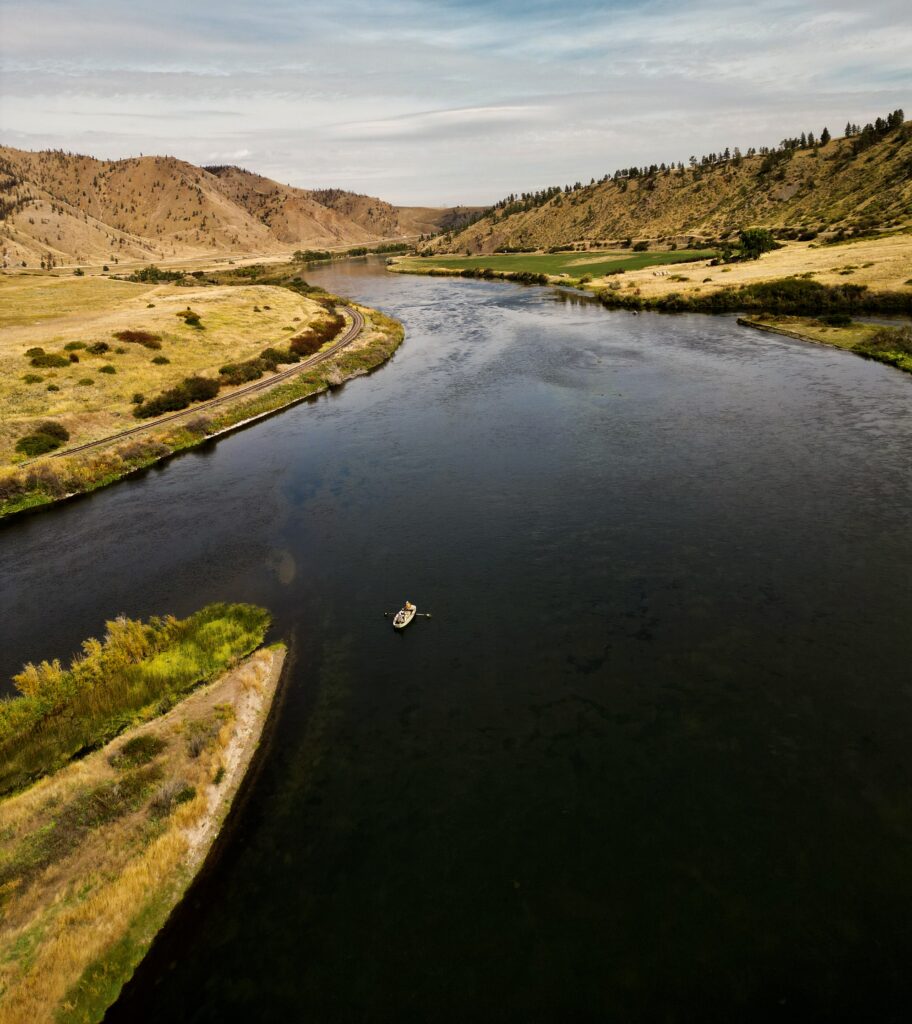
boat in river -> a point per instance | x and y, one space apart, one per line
405 615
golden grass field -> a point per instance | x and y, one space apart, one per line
879 263
49 312
72 933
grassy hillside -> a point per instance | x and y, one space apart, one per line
852 185
67 209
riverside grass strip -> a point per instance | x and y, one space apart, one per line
95 856
136 672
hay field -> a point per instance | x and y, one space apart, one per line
879 263
52 312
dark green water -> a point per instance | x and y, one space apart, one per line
650 759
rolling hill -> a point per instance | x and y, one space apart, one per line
75 209
854 185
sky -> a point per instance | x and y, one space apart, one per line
439 102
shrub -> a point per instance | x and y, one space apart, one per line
136 452
79 272
240 373
74 358
64 710
170 794
53 387
756 241
73 346
51 359
85 382
107 368
153 274
32 378
137 751
33 445
640 246
836 320
190 318
145 338
98 347
137 398
47 479
32 352
161 360
42 438
191 389
53 429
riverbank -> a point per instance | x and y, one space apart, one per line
48 481
885 344
96 856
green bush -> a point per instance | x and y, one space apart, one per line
44 437
73 346
756 241
137 398
33 445
74 358
98 347
161 360
32 378
53 387
640 246
51 359
191 389
85 382
190 318
137 670
836 320
107 368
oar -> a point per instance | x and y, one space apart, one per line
418 615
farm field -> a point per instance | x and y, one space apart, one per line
883 263
573 264
93 395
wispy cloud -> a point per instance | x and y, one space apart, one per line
442 100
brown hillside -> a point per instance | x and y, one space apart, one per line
66 209
823 188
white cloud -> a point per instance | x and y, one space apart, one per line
440 100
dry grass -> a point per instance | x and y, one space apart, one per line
72 934
889 261
51 312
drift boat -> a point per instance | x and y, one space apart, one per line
404 616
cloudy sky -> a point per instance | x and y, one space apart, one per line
442 101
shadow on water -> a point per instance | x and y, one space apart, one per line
648 761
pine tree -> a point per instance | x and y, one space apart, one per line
824 136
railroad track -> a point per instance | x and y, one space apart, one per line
352 332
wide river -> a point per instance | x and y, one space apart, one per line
650 758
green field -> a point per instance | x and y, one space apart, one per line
574 264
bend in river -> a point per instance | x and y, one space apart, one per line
649 759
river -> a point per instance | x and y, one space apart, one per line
648 760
